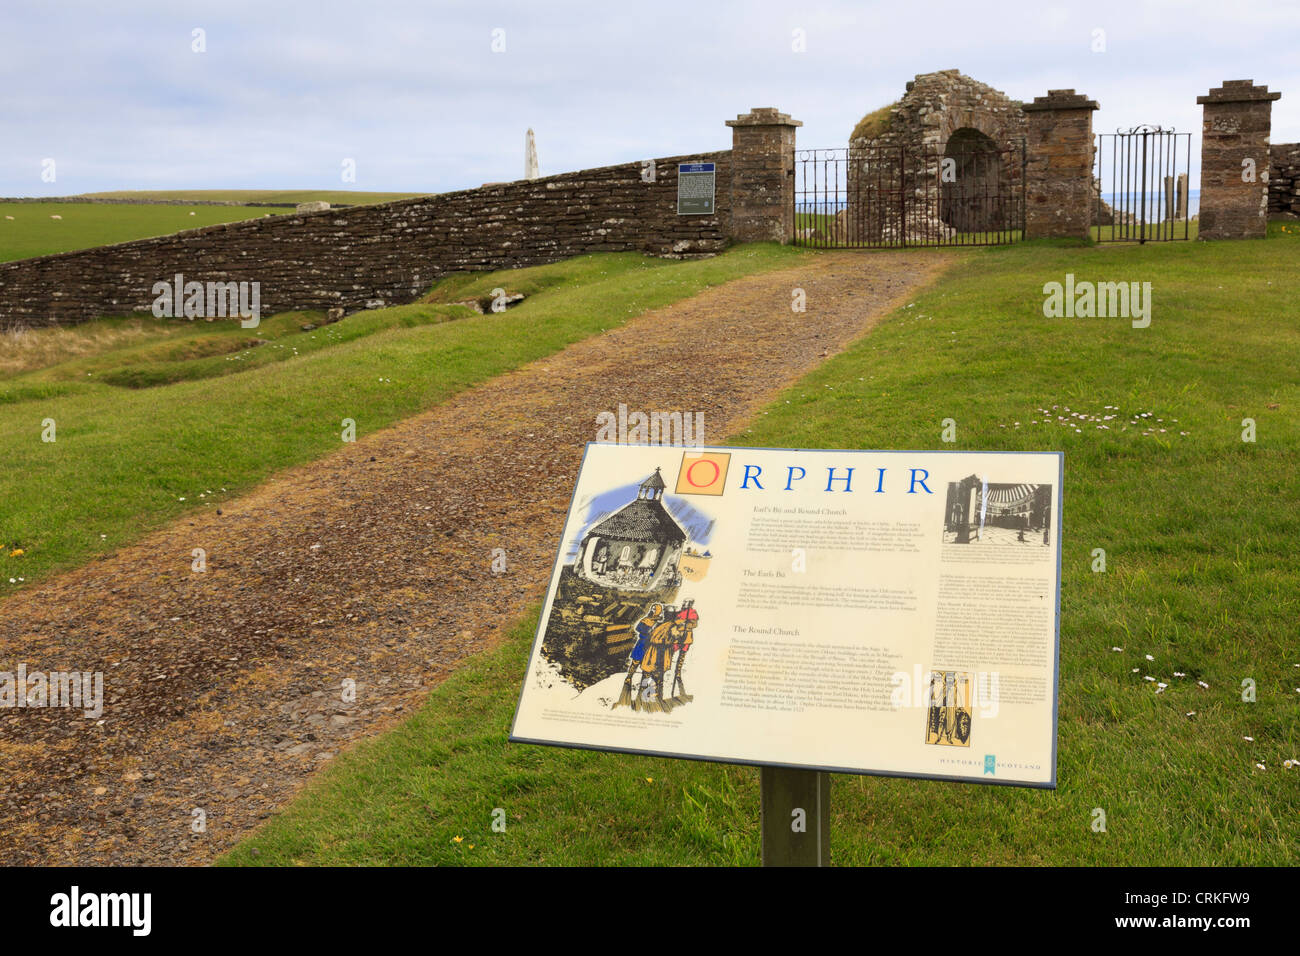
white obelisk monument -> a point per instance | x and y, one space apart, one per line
530 156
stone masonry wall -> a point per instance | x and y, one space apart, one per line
1235 126
944 108
1058 173
937 105
762 175
1284 181
380 254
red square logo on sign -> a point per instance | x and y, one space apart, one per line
703 472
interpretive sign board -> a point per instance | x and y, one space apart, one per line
881 612
696 186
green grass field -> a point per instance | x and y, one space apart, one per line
343 197
1200 531
31 231
151 414
828 233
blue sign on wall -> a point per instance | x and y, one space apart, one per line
696 186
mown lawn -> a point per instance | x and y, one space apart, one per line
154 418
1199 530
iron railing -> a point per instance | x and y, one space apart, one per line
1142 185
954 194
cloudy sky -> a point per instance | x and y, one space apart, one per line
413 91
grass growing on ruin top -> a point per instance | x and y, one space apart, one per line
874 123
185 414
1199 530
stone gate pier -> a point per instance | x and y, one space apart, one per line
1058 172
1235 127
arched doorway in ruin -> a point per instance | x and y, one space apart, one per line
972 183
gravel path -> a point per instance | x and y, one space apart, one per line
222 689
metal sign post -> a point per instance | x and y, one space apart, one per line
795 817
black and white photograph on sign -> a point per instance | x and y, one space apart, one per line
993 514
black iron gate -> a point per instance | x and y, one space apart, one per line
1142 185
953 194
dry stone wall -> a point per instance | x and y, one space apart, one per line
1284 182
380 254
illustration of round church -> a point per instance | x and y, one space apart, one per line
638 547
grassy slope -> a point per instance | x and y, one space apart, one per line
1199 531
125 456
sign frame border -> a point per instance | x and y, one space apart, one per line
713 200
857 772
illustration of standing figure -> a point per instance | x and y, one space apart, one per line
644 628
949 705
601 557
948 721
655 663
689 618
935 724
